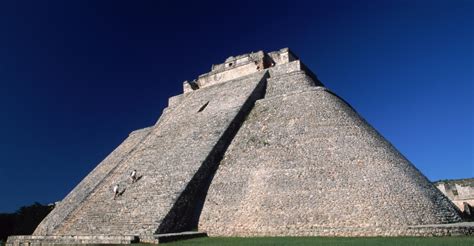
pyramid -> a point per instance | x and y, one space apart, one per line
256 147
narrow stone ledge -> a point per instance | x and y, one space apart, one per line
70 240
170 237
439 230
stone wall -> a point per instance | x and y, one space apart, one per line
459 191
242 65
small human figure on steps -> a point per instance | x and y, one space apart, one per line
133 176
116 191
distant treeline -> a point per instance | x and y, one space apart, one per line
24 221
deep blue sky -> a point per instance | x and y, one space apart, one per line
76 76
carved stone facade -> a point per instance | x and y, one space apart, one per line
256 147
460 192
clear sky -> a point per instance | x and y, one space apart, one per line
77 76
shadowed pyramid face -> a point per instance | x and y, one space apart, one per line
257 146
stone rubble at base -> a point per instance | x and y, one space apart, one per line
256 147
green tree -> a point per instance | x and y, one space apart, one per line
24 221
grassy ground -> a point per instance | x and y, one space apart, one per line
387 241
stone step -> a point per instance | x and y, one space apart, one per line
287 83
167 166
170 237
81 192
286 75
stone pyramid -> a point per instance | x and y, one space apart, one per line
256 147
